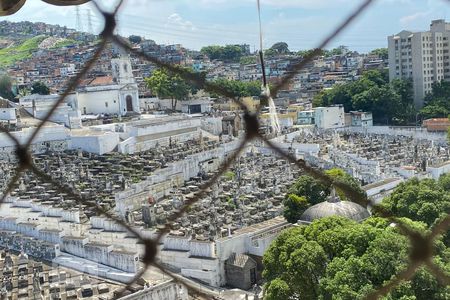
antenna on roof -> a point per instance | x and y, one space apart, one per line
275 124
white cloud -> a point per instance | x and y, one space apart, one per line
307 4
177 20
407 20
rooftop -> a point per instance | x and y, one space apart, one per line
380 183
325 209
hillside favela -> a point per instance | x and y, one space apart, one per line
270 150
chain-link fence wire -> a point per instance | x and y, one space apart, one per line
422 249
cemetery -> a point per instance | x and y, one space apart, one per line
222 237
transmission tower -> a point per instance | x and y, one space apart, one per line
79 23
90 29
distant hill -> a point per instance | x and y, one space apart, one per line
18 40
19 50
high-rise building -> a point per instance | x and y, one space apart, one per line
422 57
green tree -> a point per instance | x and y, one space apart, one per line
277 289
167 85
6 87
333 52
227 53
340 175
388 102
420 200
294 206
339 94
135 39
337 258
306 186
40 88
379 77
382 53
304 53
239 88
270 52
280 48
248 60
437 104
307 191
434 111
444 182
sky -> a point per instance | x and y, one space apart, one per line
300 23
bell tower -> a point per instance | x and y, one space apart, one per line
121 70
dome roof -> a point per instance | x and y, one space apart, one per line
346 209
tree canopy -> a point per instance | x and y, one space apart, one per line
304 53
167 85
226 53
420 200
6 87
135 39
280 48
383 53
336 258
389 102
239 88
40 88
307 191
437 103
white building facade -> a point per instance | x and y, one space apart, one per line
329 117
116 96
422 57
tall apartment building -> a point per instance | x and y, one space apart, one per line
422 57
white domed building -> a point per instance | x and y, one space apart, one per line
334 207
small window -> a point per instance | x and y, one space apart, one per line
106 104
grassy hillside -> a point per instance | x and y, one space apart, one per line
9 56
66 42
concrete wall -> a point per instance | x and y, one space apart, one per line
50 133
378 192
163 291
163 126
417 133
212 125
133 144
107 255
437 171
99 144
329 117
95 101
8 114
204 269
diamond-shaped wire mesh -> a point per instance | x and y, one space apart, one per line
421 246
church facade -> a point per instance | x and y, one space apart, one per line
116 95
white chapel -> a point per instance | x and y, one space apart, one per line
115 95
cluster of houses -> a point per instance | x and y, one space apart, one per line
54 66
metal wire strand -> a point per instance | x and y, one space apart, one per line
100 211
404 275
421 251
72 85
191 77
225 166
308 58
